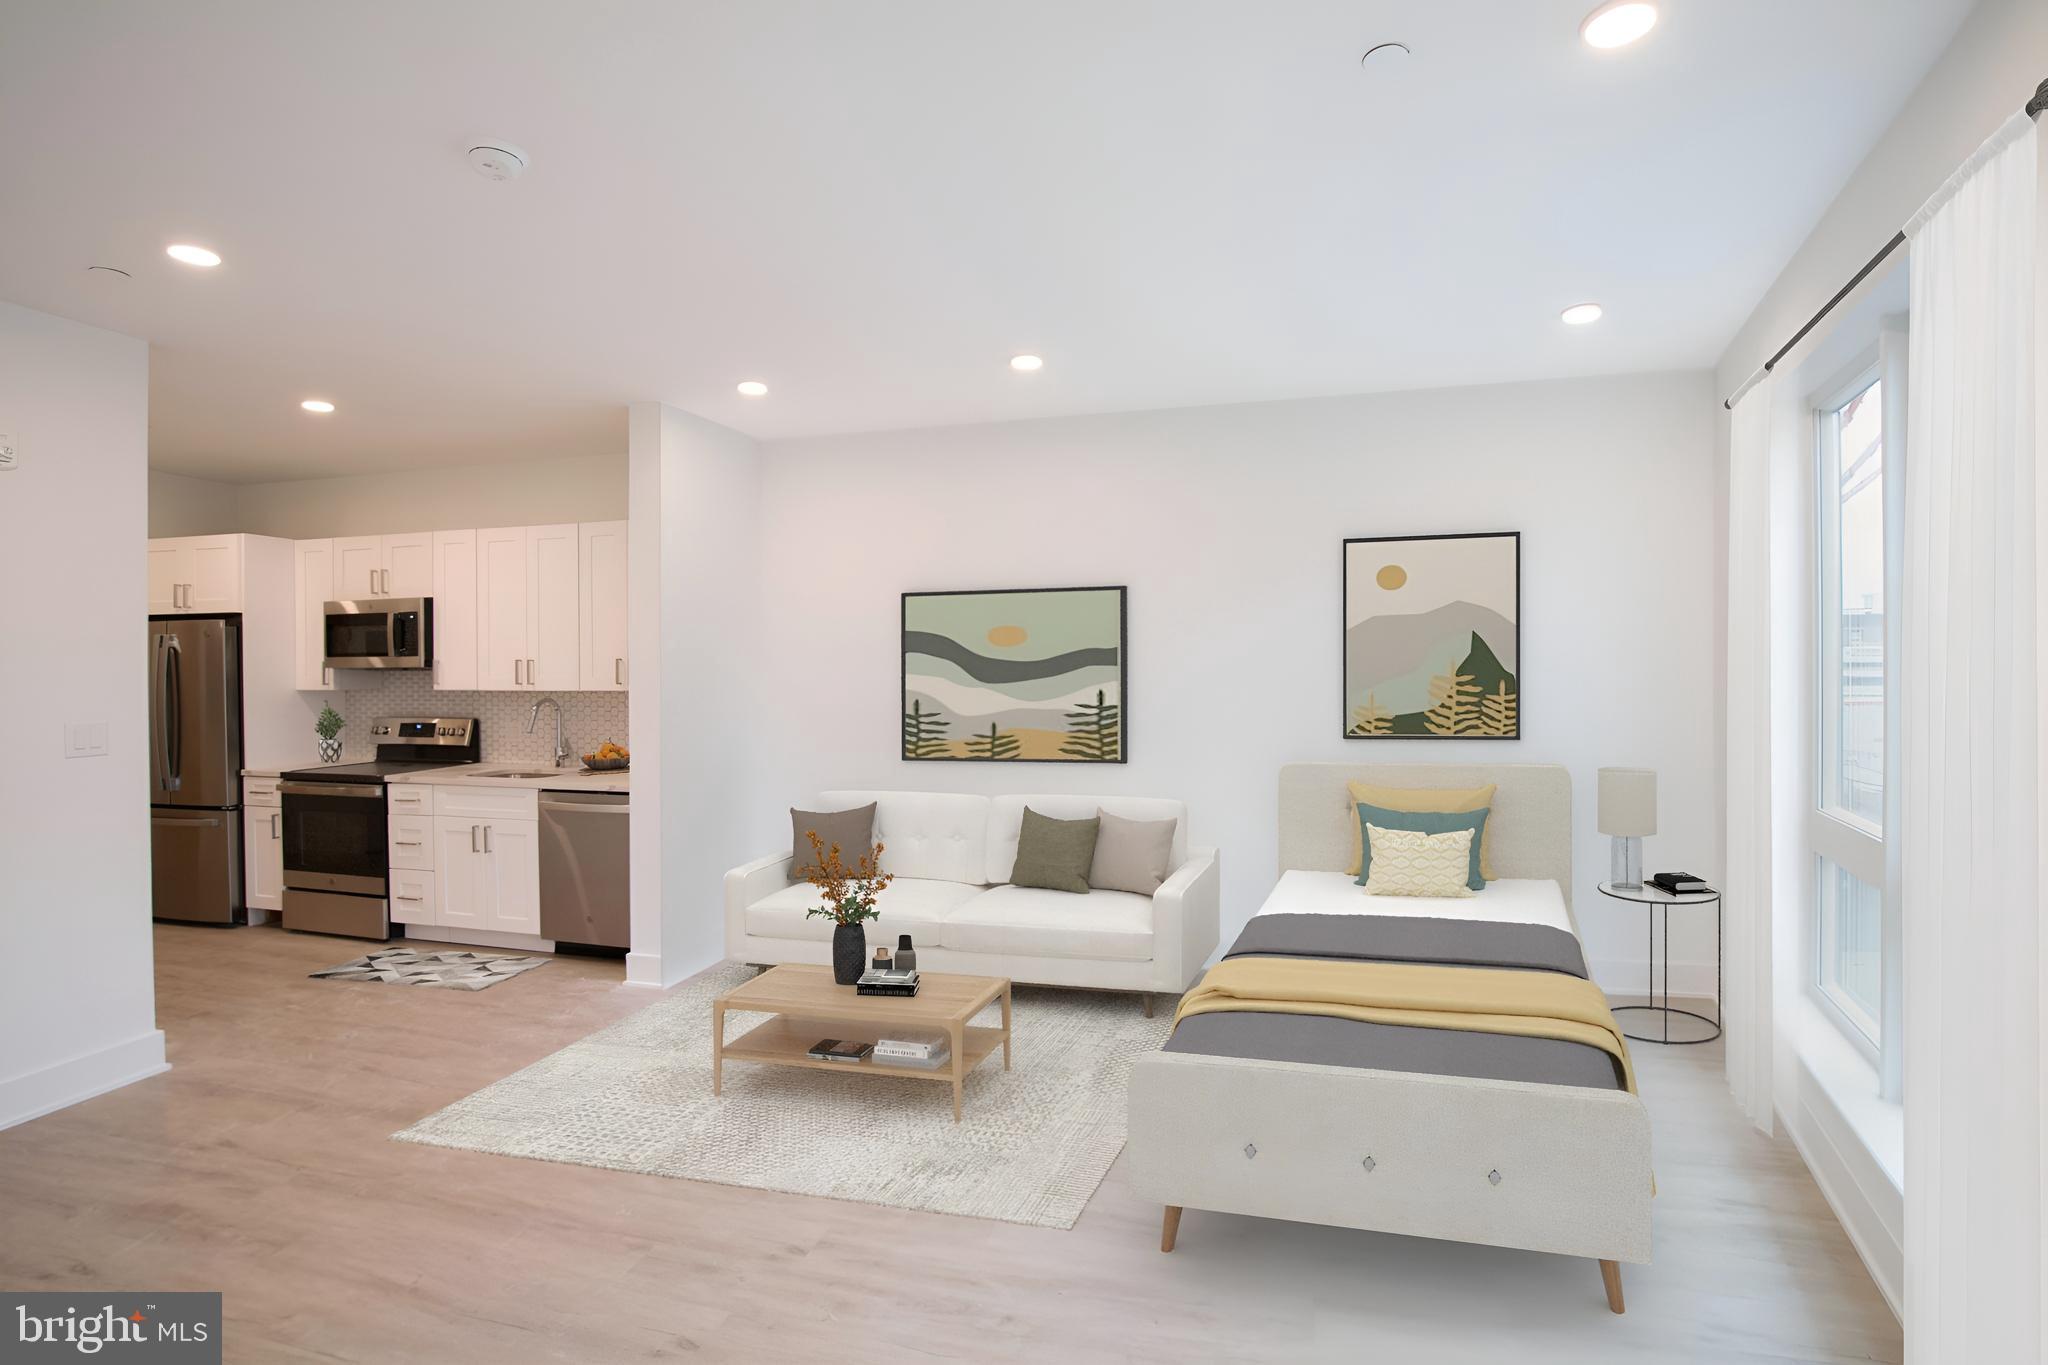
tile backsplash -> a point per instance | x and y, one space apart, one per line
588 718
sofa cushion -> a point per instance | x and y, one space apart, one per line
1006 816
931 836
908 906
1055 854
1132 855
852 831
1024 921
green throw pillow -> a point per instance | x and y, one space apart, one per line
1055 854
1421 822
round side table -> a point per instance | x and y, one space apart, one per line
1651 898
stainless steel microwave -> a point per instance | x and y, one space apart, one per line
381 632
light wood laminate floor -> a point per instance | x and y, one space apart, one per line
261 1165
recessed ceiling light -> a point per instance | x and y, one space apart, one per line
317 405
752 388
192 255
1579 314
1026 363
1618 25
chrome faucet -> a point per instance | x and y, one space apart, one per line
561 745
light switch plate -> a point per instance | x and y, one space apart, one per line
85 739
10 456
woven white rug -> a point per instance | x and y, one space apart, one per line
1031 1146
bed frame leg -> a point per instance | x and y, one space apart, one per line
1610 1275
1170 1229
1148 1004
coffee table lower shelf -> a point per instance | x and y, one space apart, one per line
786 1040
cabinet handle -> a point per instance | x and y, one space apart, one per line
384 576
515 672
472 837
407 843
326 676
273 825
408 898
487 838
618 672
529 673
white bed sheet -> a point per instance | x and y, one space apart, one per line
1508 900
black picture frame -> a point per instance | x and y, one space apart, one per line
1344 617
1123 653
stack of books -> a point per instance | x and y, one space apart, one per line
1677 883
840 1050
886 982
927 1052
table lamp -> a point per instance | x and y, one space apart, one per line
1628 811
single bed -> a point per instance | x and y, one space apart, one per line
1528 1142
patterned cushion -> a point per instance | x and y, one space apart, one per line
1427 822
1422 798
1411 863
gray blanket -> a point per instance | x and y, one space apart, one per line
1329 1041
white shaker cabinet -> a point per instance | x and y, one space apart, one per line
384 566
313 586
455 610
526 608
262 847
486 873
601 578
195 574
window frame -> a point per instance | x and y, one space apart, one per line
1836 836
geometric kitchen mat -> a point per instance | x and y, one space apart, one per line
408 967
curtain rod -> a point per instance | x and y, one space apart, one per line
2035 107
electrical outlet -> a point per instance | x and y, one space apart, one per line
9 457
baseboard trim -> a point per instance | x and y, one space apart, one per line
644 970
65 1083
477 938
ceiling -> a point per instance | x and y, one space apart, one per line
872 206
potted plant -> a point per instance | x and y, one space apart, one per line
328 727
850 894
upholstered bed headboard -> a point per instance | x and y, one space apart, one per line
1529 833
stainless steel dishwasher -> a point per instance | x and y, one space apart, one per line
583 873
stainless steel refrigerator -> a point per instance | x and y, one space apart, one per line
195 768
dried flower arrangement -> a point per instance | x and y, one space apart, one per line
850 892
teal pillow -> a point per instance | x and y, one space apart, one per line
1424 822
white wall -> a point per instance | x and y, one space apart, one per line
695 626
516 493
77 995
1226 524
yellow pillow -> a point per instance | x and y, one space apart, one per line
1443 802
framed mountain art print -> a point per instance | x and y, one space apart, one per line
1432 637
1033 674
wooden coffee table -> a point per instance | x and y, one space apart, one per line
809 1005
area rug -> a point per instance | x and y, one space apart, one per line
410 967
1031 1146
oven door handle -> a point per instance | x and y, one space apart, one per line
328 789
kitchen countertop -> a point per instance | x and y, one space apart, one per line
486 775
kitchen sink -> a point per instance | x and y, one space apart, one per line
544 772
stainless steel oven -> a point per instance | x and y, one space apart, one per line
335 837
381 632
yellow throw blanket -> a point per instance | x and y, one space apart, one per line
1420 995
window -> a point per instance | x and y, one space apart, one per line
1858 481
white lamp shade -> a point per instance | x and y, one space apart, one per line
1628 802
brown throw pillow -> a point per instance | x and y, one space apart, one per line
1131 855
853 830
1054 854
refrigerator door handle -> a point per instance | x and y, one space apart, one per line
174 713
156 719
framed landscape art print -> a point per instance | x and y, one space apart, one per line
1432 637
1032 675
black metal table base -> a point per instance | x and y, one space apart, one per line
1667 1011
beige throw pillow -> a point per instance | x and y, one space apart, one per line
1054 854
853 830
1131 855
1411 863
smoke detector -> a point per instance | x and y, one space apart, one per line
497 160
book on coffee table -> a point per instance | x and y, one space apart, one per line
840 1050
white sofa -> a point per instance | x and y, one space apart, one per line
951 856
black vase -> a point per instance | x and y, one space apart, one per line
849 953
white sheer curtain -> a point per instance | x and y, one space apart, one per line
1970 770
1747 897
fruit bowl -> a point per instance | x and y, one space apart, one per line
605 765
